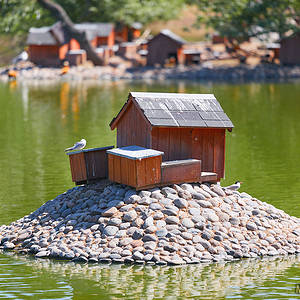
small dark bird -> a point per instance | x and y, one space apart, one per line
234 187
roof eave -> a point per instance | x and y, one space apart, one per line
115 120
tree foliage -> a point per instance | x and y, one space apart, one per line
241 19
19 15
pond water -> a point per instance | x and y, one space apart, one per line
37 121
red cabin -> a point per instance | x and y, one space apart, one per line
50 45
183 126
164 48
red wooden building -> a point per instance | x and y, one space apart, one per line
183 126
165 47
49 45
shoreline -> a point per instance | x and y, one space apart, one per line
257 73
174 225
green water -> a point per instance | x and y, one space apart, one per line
38 121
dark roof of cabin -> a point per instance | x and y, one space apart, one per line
180 110
55 34
95 29
41 36
168 33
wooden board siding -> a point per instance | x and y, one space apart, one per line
106 40
46 55
160 48
205 144
289 50
181 171
139 173
78 168
96 164
89 164
132 129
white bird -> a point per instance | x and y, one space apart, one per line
233 187
23 56
77 146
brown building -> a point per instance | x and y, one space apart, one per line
49 45
165 47
290 50
183 126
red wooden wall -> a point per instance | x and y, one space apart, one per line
132 129
44 55
205 144
138 173
159 49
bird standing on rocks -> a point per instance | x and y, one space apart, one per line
233 187
77 146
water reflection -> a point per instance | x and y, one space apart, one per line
206 281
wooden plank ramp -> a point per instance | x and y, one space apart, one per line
209 177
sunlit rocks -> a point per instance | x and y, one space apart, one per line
179 224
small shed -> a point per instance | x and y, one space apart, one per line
183 126
290 50
49 45
135 166
89 164
192 56
164 47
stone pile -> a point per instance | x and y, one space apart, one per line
187 223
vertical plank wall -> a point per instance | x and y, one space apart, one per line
78 168
206 144
132 129
96 164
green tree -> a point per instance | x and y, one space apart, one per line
241 19
17 16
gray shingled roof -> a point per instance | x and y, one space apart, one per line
95 29
173 36
182 110
41 36
53 35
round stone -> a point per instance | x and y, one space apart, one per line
112 221
149 238
155 206
195 211
137 255
138 234
172 220
130 216
148 222
162 232
188 223
109 212
204 203
158 215
180 203
110 230
234 221
251 226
